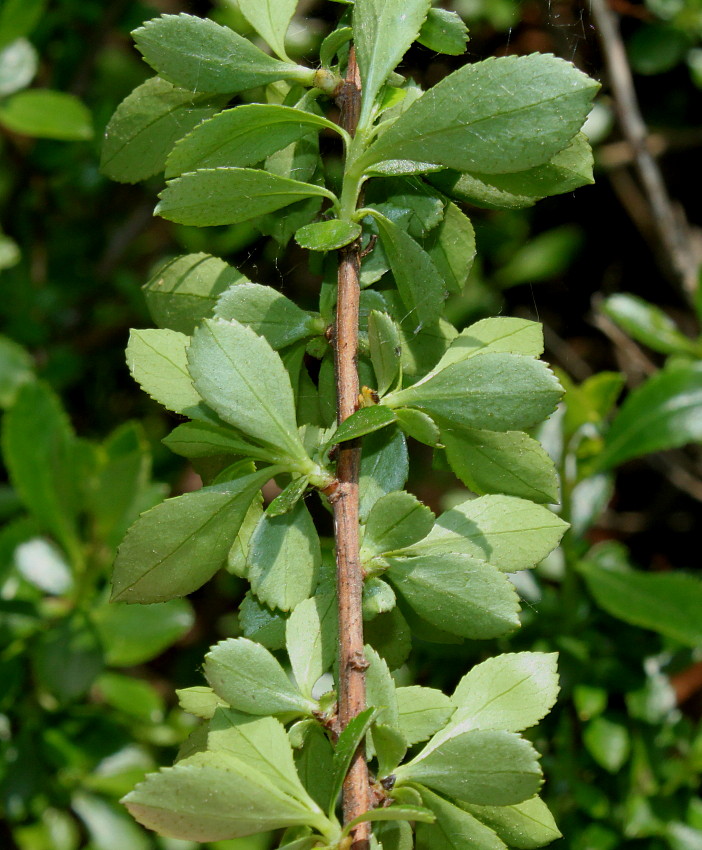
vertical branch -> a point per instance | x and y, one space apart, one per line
670 223
352 663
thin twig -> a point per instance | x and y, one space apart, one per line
352 663
671 225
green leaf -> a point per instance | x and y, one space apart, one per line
289 497
261 624
10 253
230 195
67 658
394 835
408 202
422 712
133 697
346 745
244 380
384 467
192 801
511 692
383 32
332 44
327 235
394 522
665 603
567 170
176 547
146 125
454 828
609 743
663 413
314 760
242 137
496 392
158 362
457 593
18 65
363 421
511 534
380 692
385 350
185 290
16 369
18 18
503 335
199 701
120 489
487 768
47 115
204 439
249 678
134 636
270 19
38 448
395 812
485 116
267 312
389 747
525 825
311 640
451 247
444 32
284 558
508 462
202 56
420 285
418 425
262 743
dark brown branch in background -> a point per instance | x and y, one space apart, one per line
672 228
352 663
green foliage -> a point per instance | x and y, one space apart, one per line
253 371
229 357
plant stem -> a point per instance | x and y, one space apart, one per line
352 663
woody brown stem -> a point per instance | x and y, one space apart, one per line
352 663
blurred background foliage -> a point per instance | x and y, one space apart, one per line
87 689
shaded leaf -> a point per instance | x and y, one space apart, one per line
420 285
311 639
451 247
508 462
270 19
669 604
663 413
327 235
185 290
267 312
396 520
176 547
284 558
145 126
